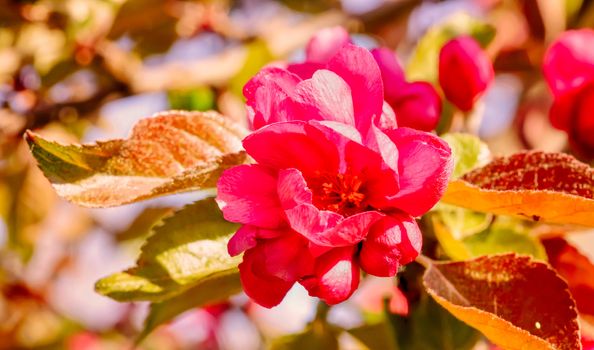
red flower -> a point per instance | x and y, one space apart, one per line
332 192
569 70
465 71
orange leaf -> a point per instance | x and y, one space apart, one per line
516 302
552 187
171 152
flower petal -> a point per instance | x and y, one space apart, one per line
324 97
358 68
393 241
417 106
424 167
267 96
245 203
242 240
267 292
292 145
391 70
335 278
286 257
326 43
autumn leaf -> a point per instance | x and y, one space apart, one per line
171 152
551 187
576 268
516 302
187 250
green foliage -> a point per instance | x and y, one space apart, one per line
210 290
423 64
199 99
503 240
317 336
430 327
257 56
188 249
468 152
376 335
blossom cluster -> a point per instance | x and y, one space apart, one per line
338 178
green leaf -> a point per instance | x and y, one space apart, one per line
504 240
468 152
377 335
257 56
186 250
318 336
171 152
199 99
430 327
423 64
216 288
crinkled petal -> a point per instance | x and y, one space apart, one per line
321 227
424 167
305 70
358 68
569 61
267 96
286 257
242 240
245 203
393 241
292 145
324 97
335 278
326 43
267 292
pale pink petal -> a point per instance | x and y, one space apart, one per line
424 167
393 241
267 292
266 96
292 145
326 43
335 278
358 68
245 203
569 61
324 97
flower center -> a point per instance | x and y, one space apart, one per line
340 193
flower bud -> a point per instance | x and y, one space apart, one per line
465 71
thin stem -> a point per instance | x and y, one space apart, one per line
423 260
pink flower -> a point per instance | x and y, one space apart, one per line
332 192
569 70
465 71
416 105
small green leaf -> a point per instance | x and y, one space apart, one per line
377 335
318 336
199 99
189 248
423 65
257 56
504 240
216 288
468 152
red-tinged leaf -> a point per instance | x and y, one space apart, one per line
577 270
171 152
516 302
551 187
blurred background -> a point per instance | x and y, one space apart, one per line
87 70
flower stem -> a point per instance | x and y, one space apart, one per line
423 260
